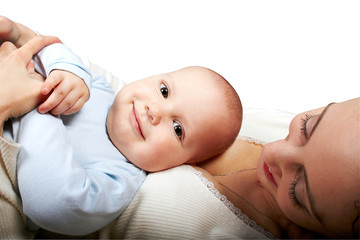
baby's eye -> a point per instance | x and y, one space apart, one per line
178 130
164 90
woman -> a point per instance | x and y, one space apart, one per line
306 185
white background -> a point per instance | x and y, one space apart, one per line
287 55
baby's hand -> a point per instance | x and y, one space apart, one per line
69 93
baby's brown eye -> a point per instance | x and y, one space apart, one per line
178 130
164 90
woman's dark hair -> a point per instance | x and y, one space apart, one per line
355 225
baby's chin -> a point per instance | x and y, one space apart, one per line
145 166
148 166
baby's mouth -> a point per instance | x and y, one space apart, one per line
137 122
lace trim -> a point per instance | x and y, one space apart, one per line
210 186
251 140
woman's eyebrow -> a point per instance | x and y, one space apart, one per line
320 118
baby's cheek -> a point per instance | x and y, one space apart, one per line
144 156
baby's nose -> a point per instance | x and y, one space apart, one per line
154 113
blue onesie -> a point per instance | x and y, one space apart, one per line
72 180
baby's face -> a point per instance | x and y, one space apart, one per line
169 119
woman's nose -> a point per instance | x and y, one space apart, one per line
281 157
271 156
154 113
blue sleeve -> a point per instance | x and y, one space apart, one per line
59 56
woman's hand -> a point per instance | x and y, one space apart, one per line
20 86
14 32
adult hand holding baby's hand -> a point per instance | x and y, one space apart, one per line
20 86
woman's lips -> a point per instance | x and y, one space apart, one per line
135 122
269 175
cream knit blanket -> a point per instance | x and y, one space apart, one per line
12 218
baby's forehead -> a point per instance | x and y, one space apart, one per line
195 70
211 117
195 79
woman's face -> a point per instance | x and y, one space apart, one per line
313 176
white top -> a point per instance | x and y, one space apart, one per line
181 203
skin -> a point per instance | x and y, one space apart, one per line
14 32
157 146
330 158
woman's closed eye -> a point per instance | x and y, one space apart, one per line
292 194
308 124
304 121
297 192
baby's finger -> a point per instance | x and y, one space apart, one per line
50 103
50 83
65 104
76 107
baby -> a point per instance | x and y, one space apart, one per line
72 180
